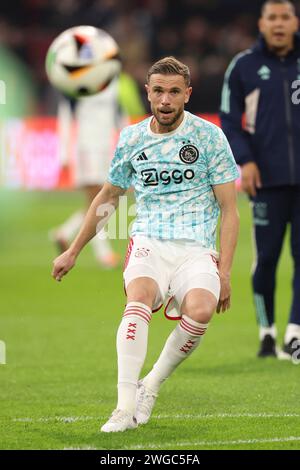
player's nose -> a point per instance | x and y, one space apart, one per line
165 99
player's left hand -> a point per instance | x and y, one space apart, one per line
224 301
62 265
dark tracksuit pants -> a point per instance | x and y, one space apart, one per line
273 210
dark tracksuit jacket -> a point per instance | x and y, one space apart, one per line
259 83
264 88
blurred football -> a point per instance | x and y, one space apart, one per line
82 61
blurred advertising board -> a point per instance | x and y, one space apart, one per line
30 157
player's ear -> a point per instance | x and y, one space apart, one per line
147 90
188 93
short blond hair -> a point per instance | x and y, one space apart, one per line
170 66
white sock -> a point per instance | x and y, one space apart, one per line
181 343
101 246
271 330
292 331
71 226
132 339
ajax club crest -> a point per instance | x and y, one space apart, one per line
189 154
142 252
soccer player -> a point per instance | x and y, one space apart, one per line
259 82
183 172
98 118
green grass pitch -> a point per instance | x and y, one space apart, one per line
59 383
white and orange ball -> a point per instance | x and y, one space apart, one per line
82 61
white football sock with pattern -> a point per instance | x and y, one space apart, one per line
183 340
132 341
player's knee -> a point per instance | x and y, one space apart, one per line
141 295
199 308
143 291
199 313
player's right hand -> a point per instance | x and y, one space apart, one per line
62 265
251 179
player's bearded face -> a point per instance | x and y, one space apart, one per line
167 116
167 95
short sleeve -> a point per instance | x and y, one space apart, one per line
221 163
121 170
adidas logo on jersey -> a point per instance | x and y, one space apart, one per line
142 157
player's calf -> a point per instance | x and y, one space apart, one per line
182 342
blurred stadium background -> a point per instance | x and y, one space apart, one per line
59 381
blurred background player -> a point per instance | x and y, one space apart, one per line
259 83
98 119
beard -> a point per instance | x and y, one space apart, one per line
172 120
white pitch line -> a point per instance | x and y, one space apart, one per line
215 443
59 419
230 415
74 419
80 448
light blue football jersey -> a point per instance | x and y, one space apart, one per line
172 175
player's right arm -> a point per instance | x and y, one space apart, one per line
231 113
102 207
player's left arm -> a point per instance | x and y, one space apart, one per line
229 229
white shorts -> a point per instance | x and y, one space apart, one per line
176 266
